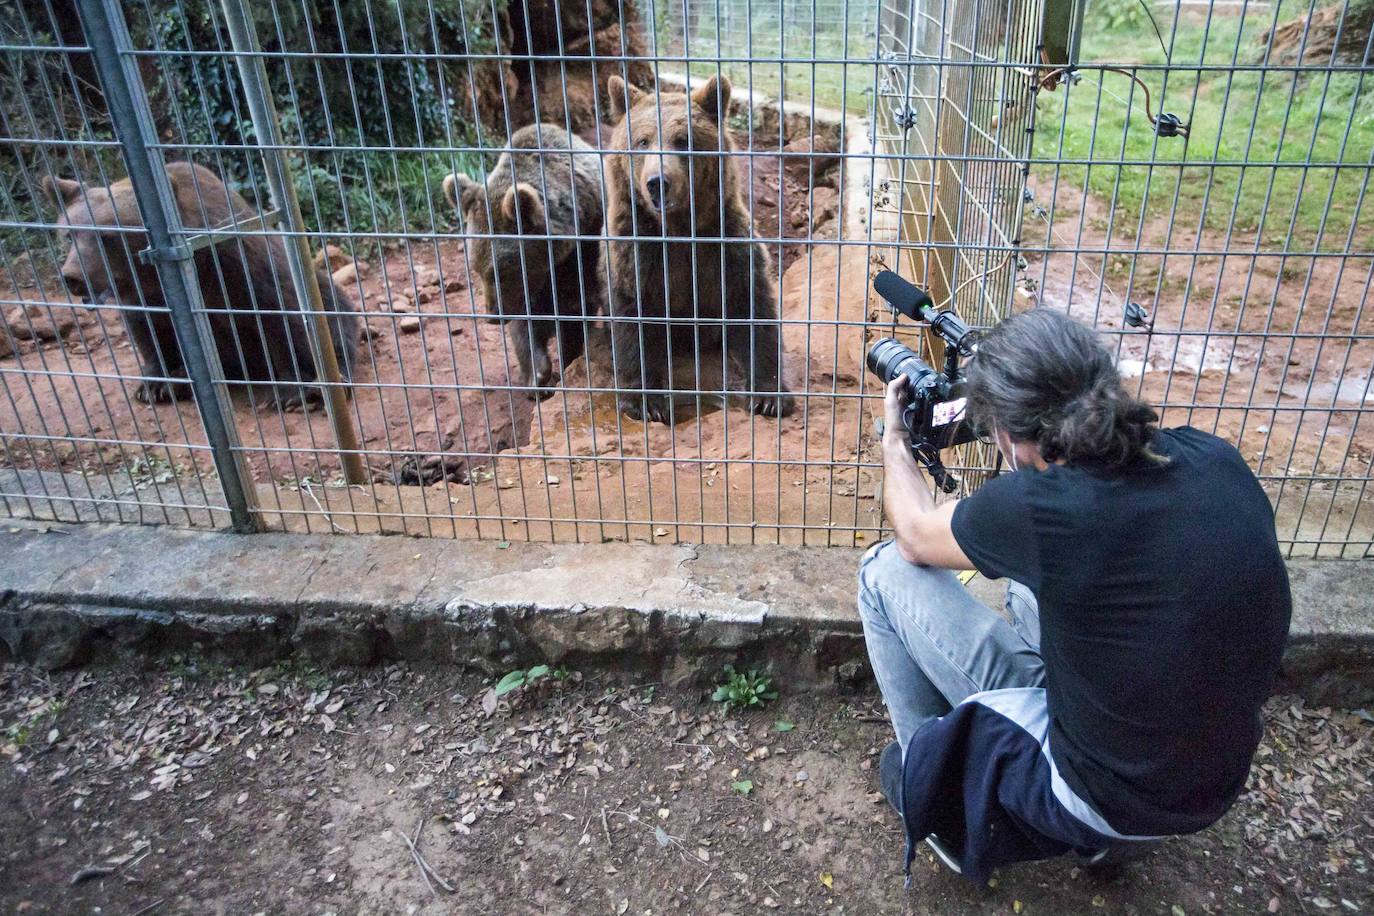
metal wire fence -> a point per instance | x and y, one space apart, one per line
311 266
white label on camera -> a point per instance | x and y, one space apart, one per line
946 413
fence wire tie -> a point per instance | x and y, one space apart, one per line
170 254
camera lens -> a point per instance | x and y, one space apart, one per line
889 358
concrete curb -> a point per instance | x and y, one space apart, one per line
70 594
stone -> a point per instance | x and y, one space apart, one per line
350 273
37 321
409 324
825 205
333 257
609 632
401 304
806 158
46 637
331 641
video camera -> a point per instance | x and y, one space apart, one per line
934 411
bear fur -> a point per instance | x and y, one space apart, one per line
715 272
550 291
245 286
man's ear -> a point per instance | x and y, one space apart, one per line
62 190
531 206
619 92
714 97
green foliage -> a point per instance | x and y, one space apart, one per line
783 725
1119 14
522 677
743 786
354 106
1242 123
742 690
20 733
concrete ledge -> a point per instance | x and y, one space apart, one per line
73 593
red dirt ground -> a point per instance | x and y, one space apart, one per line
419 391
430 404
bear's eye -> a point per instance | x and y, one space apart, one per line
680 141
643 143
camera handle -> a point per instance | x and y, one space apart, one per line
929 459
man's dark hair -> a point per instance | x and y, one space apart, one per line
1042 377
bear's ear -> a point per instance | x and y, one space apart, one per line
62 190
531 207
456 186
714 97
617 89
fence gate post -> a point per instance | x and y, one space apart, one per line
108 37
253 75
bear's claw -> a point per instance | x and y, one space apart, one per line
651 409
302 399
781 405
149 392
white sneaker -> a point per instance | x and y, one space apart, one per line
942 852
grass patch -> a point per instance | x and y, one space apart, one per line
775 49
1251 131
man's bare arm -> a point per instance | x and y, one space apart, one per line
921 529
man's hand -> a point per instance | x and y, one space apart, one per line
894 400
921 530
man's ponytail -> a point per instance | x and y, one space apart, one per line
1047 379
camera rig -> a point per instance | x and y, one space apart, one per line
934 411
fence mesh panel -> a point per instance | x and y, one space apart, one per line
992 152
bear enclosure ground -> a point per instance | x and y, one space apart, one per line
430 398
189 788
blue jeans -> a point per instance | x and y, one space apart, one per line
932 644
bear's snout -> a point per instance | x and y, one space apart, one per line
665 185
75 281
657 188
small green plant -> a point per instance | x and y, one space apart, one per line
19 733
521 677
744 689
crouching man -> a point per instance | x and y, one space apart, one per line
1148 605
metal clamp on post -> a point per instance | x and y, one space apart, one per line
209 237
168 255
905 117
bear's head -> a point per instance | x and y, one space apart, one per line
516 213
675 144
101 254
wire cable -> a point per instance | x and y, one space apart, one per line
1158 34
1166 125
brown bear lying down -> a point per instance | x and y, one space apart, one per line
245 286
673 194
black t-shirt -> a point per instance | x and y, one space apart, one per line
1164 607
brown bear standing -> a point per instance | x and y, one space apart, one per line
245 286
673 177
542 283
